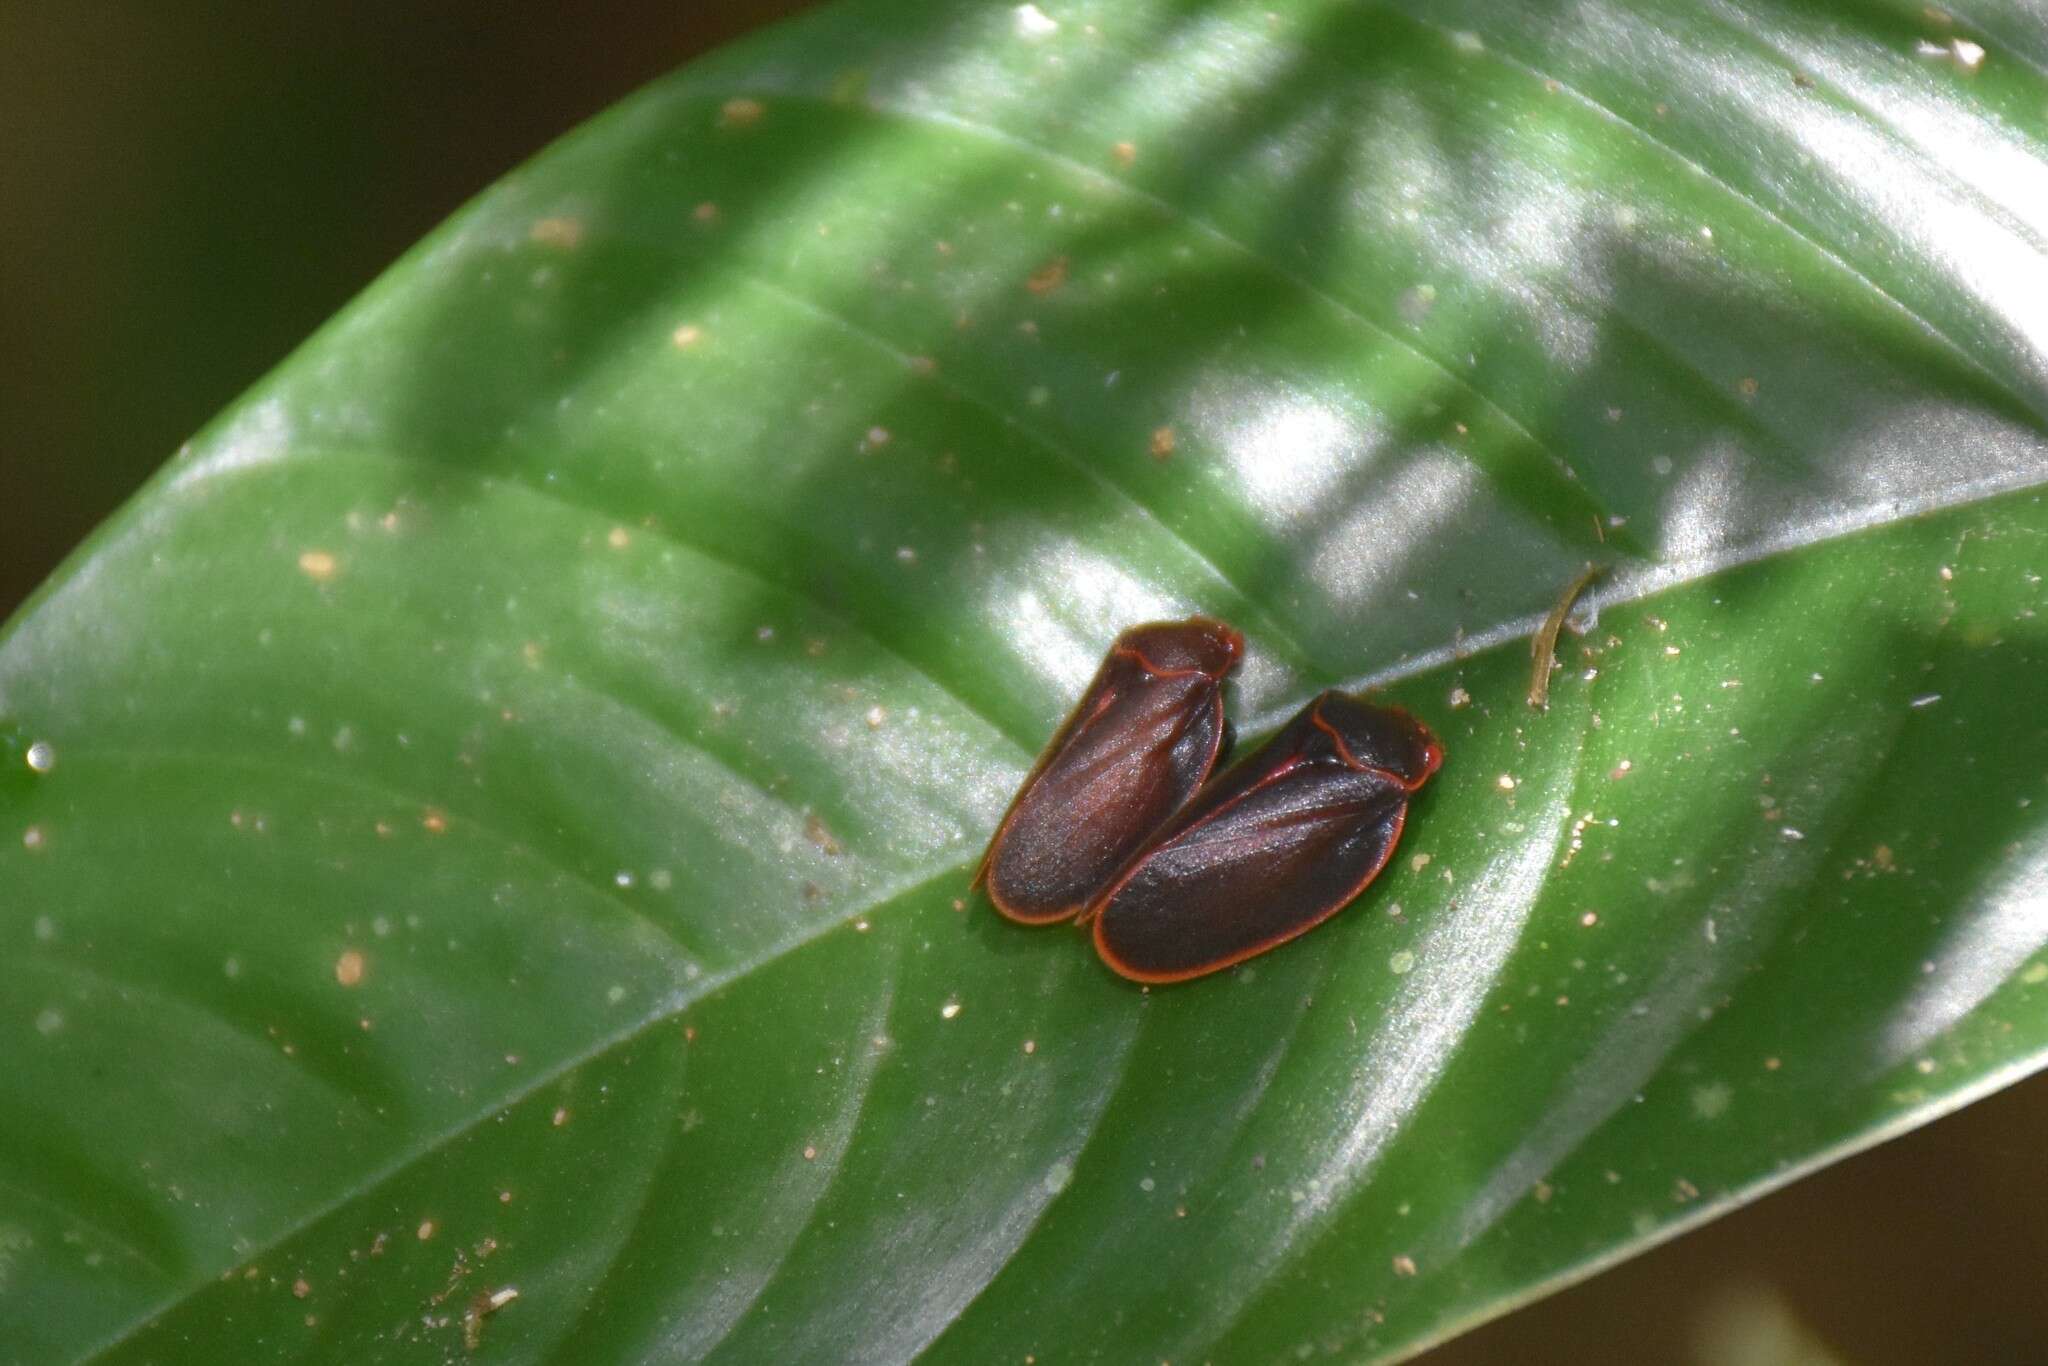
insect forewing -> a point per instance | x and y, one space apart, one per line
1272 848
1144 736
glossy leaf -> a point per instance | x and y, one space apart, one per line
502 800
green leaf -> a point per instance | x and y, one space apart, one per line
507 791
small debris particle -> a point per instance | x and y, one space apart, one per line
876 717
906 554
1419 862
1926 699
348 969
1543 645
810 1153
1773 1064
1030 1046
1882 857
1460 698
1683 1190
301 1288
686 336
318 565
1589 919
1162 442
563 234
1416 303
32 838
1621 770
560 1116
1947 574
619 538
1048 277
740 112
1404 1265
1401 963
481 1306
1506 782
425 1230
1969 56
816 833
1125 154
949 1010
434 821
876 438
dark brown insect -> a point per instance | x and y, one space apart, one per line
1134 750
1272 848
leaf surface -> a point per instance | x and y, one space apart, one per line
495 814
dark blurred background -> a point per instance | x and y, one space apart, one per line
187 191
